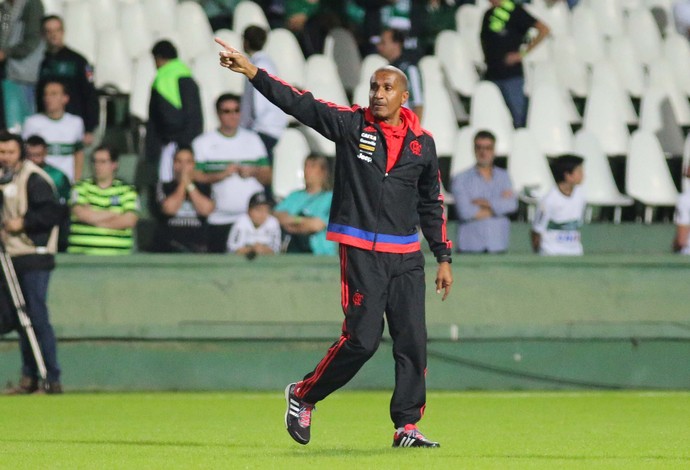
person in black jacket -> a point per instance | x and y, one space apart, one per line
70 68
30 214
175 117
386 185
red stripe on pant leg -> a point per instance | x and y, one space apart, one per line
305 386
344 288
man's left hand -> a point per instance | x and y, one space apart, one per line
444 279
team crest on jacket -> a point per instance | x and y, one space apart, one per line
357 299
367 144
416 147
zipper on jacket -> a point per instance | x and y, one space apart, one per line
378 213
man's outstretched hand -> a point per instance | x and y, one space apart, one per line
232 59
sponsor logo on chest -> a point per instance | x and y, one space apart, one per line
367 144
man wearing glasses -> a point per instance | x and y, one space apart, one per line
484 198
235 162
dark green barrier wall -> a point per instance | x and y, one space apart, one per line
512 321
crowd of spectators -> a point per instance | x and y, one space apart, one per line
211 191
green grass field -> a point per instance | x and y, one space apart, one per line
350 430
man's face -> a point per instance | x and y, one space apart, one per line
10 154
183 163
36 154
54 34
484 152
387 94
54 98
229 114
388 48
103 166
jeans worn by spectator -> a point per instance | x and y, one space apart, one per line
34 285
513 93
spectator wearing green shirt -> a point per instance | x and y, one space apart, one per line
104 210
36 151
303 214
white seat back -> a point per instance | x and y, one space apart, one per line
624 57
341 46
195 29
677 53
209 76
598 184
604 72
142 79
284 50
80 33
248 13
456 62
588 38
645 35
489 111
548 121
528 167
463 151
570 68
648 178
113 66
139 38
104 14
606 120
288 163
661 75
161 16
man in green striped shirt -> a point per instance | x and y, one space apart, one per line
104 210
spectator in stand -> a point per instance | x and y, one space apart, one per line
104 210
259 114
390 46
219 12
484 198
436 16
303 215
21 51
235 162
64 132
401 15
67 66
175 117
560 214
311 20
503 33
36 152
257 232
681 242
681 17
184 207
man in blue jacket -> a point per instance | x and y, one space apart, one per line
386 185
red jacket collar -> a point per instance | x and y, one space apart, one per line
410 117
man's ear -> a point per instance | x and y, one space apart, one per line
405 96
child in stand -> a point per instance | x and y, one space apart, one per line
257 232
560 214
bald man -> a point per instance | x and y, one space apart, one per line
386 184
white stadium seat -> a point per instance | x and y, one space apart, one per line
288 163
489 111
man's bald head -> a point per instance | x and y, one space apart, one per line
395 70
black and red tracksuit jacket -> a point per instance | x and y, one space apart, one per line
372 209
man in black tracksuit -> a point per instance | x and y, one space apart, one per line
386 184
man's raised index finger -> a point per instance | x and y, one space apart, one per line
227 46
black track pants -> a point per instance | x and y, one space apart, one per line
373 283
